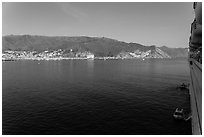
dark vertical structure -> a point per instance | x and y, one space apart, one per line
195 59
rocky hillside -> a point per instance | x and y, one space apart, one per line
175 52
99 46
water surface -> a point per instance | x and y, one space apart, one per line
94 97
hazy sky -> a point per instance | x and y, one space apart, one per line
145 23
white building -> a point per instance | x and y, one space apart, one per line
90 56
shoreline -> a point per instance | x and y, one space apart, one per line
96 58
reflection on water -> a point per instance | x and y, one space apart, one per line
90 67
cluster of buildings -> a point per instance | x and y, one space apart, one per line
46 55
70 54
135 54
157 53
85 54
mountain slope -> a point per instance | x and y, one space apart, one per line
175 52
99 46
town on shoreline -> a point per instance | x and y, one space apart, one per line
60 54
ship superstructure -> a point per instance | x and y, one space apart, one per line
195 62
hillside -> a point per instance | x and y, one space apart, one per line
98 46
175 52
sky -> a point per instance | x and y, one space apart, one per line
160 24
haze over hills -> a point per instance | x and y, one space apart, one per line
99 46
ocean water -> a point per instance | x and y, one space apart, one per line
85 97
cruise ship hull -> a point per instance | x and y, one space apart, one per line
196 96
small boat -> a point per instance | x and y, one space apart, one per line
183 86
179 114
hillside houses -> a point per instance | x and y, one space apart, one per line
46 55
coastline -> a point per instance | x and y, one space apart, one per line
95 58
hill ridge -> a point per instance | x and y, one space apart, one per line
99 46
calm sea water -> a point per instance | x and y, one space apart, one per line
94 97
